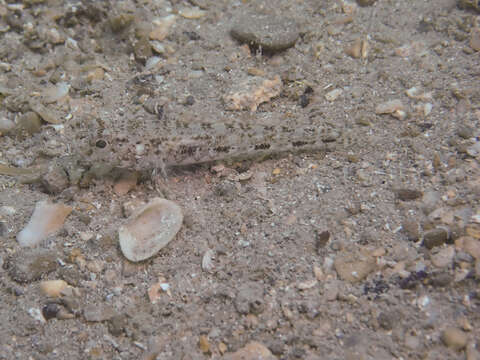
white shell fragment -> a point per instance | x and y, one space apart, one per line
389 107
192 13
149 229
46 219
333 95
207 260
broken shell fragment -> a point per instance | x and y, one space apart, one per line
390 107
46 219
149 229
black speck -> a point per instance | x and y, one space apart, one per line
192 35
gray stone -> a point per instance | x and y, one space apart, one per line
271 33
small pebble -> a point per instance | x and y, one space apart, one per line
435 237
429 201
271 33
454 338
444 258
6 125
50 311
411 228
204 344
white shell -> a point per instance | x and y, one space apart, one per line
149 229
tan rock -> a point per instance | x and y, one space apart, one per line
53 288
454 338
470 245
444 257
354 267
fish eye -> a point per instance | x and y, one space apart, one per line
101 143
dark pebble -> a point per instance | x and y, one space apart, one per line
321 239
269 32
435 237
365 2
50 311
407 194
